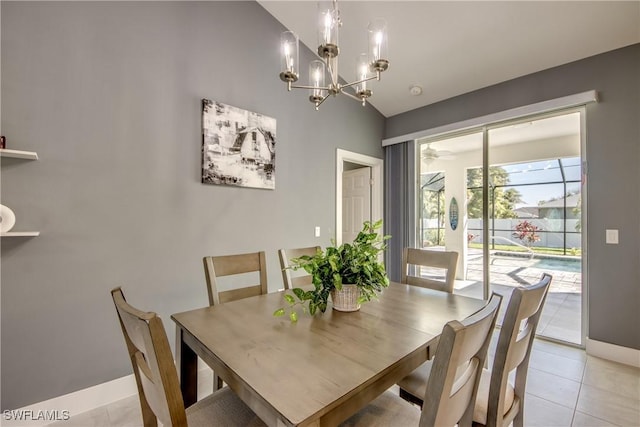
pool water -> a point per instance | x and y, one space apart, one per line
568 265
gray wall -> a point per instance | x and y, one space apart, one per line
612 153
108 94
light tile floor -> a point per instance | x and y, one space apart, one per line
565 387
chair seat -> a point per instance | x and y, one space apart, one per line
222 408
482 400
416 382
386 410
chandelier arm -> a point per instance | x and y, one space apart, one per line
359 81
320 102
352 96
309 87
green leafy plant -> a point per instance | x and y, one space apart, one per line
354 263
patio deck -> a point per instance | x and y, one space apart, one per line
561 316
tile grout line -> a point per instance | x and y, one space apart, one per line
575 409
584 373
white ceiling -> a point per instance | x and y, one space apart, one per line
454 47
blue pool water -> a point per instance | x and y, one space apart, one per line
567 264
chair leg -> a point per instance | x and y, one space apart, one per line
411 398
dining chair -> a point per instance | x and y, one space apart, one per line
157 377
444 263
512 353
450 393
230 265
291 281
441 260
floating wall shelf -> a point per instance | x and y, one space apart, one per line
20 234
18 154
27 155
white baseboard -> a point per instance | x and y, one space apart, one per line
57 409
71 404
616 353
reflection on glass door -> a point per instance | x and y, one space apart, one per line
529 222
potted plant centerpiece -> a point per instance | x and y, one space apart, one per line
351 273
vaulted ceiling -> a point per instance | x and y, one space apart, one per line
454 47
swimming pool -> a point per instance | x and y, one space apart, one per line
570 265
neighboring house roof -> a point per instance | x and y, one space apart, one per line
527 212
572 201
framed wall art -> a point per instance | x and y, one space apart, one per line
238 147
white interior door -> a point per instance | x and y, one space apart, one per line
356 201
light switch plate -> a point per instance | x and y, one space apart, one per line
317 232
612 237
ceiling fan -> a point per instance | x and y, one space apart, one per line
430 154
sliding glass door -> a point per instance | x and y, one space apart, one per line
508 198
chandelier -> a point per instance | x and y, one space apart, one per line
368 65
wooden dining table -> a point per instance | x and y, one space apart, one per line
322 369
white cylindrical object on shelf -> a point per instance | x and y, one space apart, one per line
7 219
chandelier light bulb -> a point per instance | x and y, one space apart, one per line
316 81
378 47
289 56
327 28
363 74
378 44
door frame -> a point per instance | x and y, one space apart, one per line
377 187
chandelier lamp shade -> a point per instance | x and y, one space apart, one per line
368 66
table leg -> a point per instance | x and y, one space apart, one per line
187 362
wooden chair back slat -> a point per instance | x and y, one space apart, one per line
228 265
446 260
236 294
428 283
